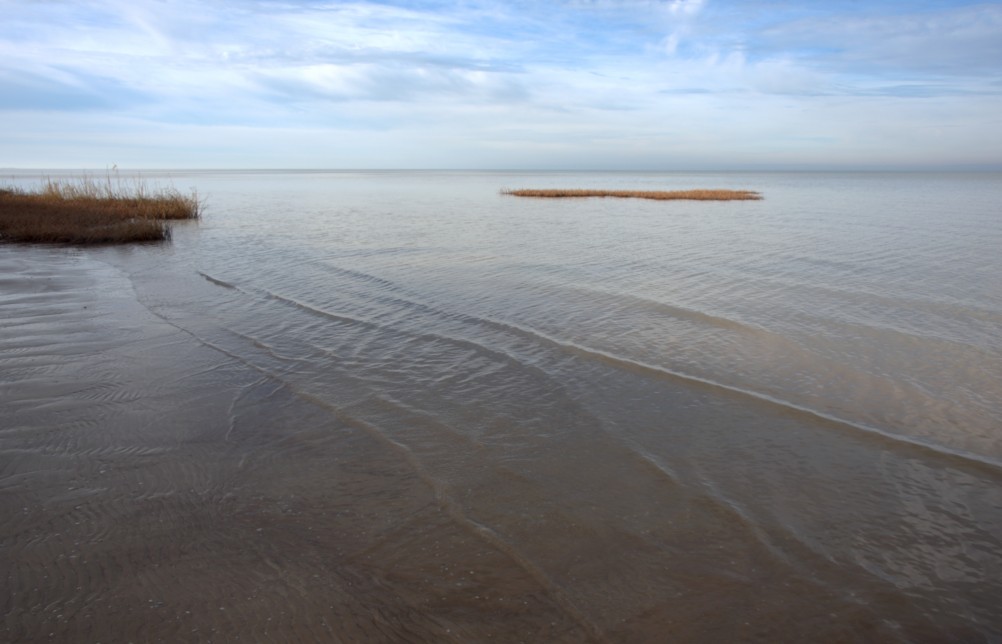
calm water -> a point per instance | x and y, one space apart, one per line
400 406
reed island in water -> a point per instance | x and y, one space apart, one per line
657 195
85 210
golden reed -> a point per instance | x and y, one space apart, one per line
86 211
660 195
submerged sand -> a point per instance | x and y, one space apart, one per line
153 492
161 484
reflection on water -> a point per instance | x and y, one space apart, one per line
403 407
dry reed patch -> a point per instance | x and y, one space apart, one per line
659 195
86 211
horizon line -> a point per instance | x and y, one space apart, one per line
785 169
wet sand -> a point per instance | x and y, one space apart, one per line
172 497
152 492
175 497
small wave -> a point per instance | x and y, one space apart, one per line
675 311
314 310
477 347
366 277
536 336
216 281
644 367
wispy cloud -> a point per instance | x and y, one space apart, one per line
952 40
641 83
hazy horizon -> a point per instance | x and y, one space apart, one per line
723 170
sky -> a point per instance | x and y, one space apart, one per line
485 84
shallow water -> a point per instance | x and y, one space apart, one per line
400 406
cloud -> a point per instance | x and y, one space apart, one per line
964 41
656 81
389 81
686 7
60 91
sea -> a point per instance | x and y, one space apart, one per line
405 406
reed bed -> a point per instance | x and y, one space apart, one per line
659 195
89 211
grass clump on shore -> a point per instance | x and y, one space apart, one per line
87 211
659 195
